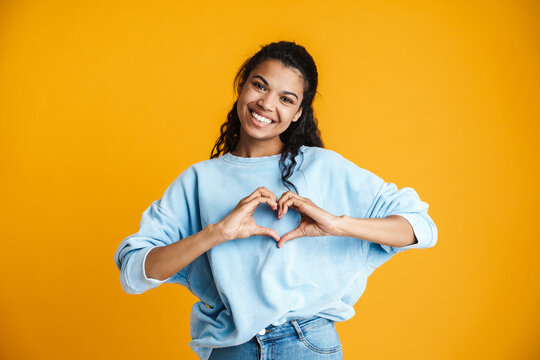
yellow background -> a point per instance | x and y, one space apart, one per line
104 103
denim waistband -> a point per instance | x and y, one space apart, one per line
292 327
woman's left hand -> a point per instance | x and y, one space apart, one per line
314 220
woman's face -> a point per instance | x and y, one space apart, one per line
269 101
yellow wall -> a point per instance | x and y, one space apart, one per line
104 103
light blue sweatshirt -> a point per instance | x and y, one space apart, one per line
244 285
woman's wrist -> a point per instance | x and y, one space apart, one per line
216 234
342 226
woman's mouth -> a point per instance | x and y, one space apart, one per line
259 119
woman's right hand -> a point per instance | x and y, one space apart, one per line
240 224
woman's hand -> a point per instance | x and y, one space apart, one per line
239 223
314 220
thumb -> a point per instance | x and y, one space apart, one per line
296 233
260 230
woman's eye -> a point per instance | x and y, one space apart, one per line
258 85
286 99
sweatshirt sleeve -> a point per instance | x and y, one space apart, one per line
164 222
406 203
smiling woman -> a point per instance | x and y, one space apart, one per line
226 243
266 107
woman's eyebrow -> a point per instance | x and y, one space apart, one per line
266 83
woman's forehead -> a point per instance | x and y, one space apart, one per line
279 75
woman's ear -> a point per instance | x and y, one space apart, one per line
297 115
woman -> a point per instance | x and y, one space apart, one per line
275 235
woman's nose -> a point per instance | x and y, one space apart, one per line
265 102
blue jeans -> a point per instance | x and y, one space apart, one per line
308 339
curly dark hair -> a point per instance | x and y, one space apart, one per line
302 132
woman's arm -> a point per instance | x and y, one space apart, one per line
393 230
164 261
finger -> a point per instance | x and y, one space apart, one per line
253 204
261 191
286 196
254 194
268 193
264 231
285 206
296 233
291 203
268 197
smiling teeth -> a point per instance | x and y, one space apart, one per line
261 118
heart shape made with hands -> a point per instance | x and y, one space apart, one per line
314 221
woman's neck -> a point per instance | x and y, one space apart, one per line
247 147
